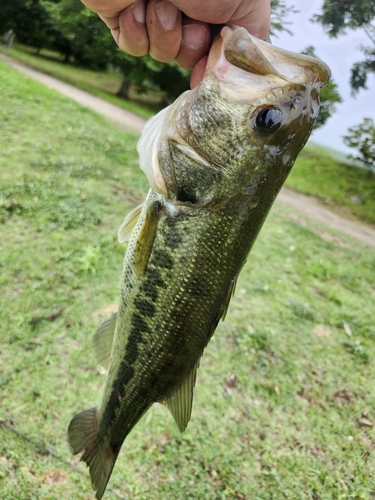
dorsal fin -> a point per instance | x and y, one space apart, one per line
180 402
127 227
146 238
102 341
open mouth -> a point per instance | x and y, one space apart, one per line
236 47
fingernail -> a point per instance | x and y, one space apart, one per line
193 36
167 14
139 11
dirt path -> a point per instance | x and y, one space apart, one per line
311 207
305 205
116 114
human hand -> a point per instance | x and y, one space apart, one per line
178 29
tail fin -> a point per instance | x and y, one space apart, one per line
100 458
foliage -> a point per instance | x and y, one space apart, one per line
329 96
147 73
361 69
337 17
292 427
79 34
81 37
28 19
362 138
279 11
164 74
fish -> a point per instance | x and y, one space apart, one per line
215 160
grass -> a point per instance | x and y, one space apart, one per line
299 336
104 84
347 189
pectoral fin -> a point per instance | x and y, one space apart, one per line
146 238
103 340
180 402
127 227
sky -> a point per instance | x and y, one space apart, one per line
340 54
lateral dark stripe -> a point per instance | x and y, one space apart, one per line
138 326
161 258
125 374
150 291
172 237
145 307
154 278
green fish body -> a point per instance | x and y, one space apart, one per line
215 160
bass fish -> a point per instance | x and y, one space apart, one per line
215 160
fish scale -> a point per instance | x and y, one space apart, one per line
215 160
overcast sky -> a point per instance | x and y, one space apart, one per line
339 54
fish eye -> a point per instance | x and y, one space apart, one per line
269 119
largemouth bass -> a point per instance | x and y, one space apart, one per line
215 160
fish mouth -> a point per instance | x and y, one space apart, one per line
235 49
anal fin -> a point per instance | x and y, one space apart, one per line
180 403
102 341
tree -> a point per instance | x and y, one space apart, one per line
79 34
146 73
28 20
339 16
137 71
362 138
329 95
279 11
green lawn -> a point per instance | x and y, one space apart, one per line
345 188
299 335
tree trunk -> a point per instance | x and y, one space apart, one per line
8 39
124 90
